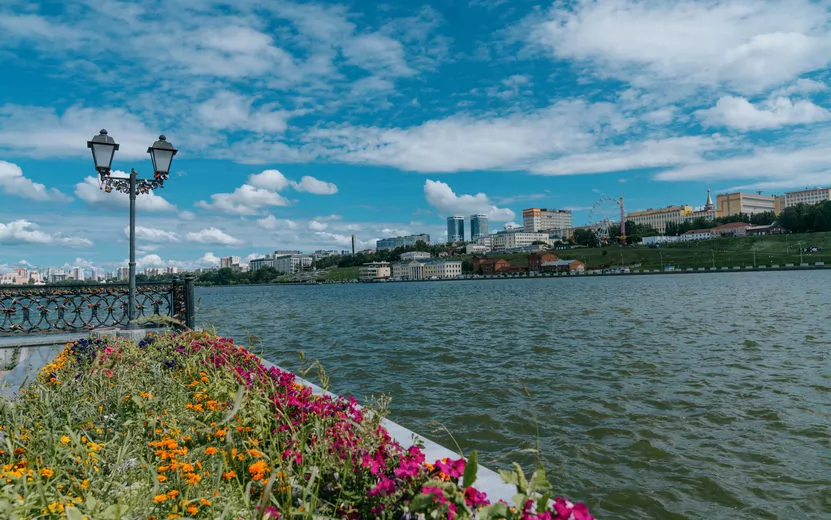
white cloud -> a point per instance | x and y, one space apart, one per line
272 222
269 179
245 200
800 86
209 259
152 234
739 113
90 192
230 111
345 241
647 154
25 232
440 196
42 132
377 53
314 225
212 236
152 260
462 142
187 215
312 185
765 168
750 46
13 182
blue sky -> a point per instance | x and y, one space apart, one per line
301 123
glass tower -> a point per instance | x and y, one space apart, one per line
455 229
478 226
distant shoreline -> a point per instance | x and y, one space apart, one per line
708 270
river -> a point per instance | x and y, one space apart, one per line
668 397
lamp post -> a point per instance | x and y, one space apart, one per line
103 148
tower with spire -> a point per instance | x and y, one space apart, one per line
709 206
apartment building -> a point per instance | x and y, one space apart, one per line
812 196
730 204
515 239
542 219
659 218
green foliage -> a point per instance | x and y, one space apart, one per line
803 218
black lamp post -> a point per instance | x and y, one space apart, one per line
103 148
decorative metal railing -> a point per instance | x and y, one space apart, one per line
44 309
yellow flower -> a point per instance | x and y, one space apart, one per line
46 472
85 484
65 439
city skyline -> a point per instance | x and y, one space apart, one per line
301 125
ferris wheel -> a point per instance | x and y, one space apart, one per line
605 212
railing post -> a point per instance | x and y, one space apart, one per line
190 304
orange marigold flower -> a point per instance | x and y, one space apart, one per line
257 470
204 502
228 475
46 472
159 498
161 478
192 479
173 493
192 510
210 450
221 433
254 453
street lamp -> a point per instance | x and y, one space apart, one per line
103 149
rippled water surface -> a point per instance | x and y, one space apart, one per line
668 397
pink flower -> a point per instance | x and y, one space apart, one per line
385 487
475 498
568 511
451 468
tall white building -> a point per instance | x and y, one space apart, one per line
291 264
515 239
77 273
810 197
542 219
229 261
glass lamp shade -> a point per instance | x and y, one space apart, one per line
103 148
162 154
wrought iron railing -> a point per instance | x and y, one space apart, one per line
46 309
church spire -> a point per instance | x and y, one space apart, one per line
709 206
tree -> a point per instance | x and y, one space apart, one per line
763 219
585 237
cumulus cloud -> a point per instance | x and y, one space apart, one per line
152 260
272 180
315 186
749 46
152 234
91 193
212 236
25 232
245 200
231 111
314 225
441 196
739 113
13 182
209 259
272 222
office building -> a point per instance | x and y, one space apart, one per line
375 271
415 255
229 261
455 229
542 219
290 264
515 239
730 204
810 197
659 218
478 226
406 241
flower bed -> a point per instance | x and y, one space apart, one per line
193 426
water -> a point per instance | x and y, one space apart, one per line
668 397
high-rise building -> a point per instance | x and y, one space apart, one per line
730 204
229 261
478 226
290 264
78 273
123 273
813 196
406 241
455 229
542 219
354 245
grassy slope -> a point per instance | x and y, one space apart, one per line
727 252
338 274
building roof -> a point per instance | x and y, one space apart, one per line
732 225
697 231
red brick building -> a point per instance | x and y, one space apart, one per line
537 260
491 265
